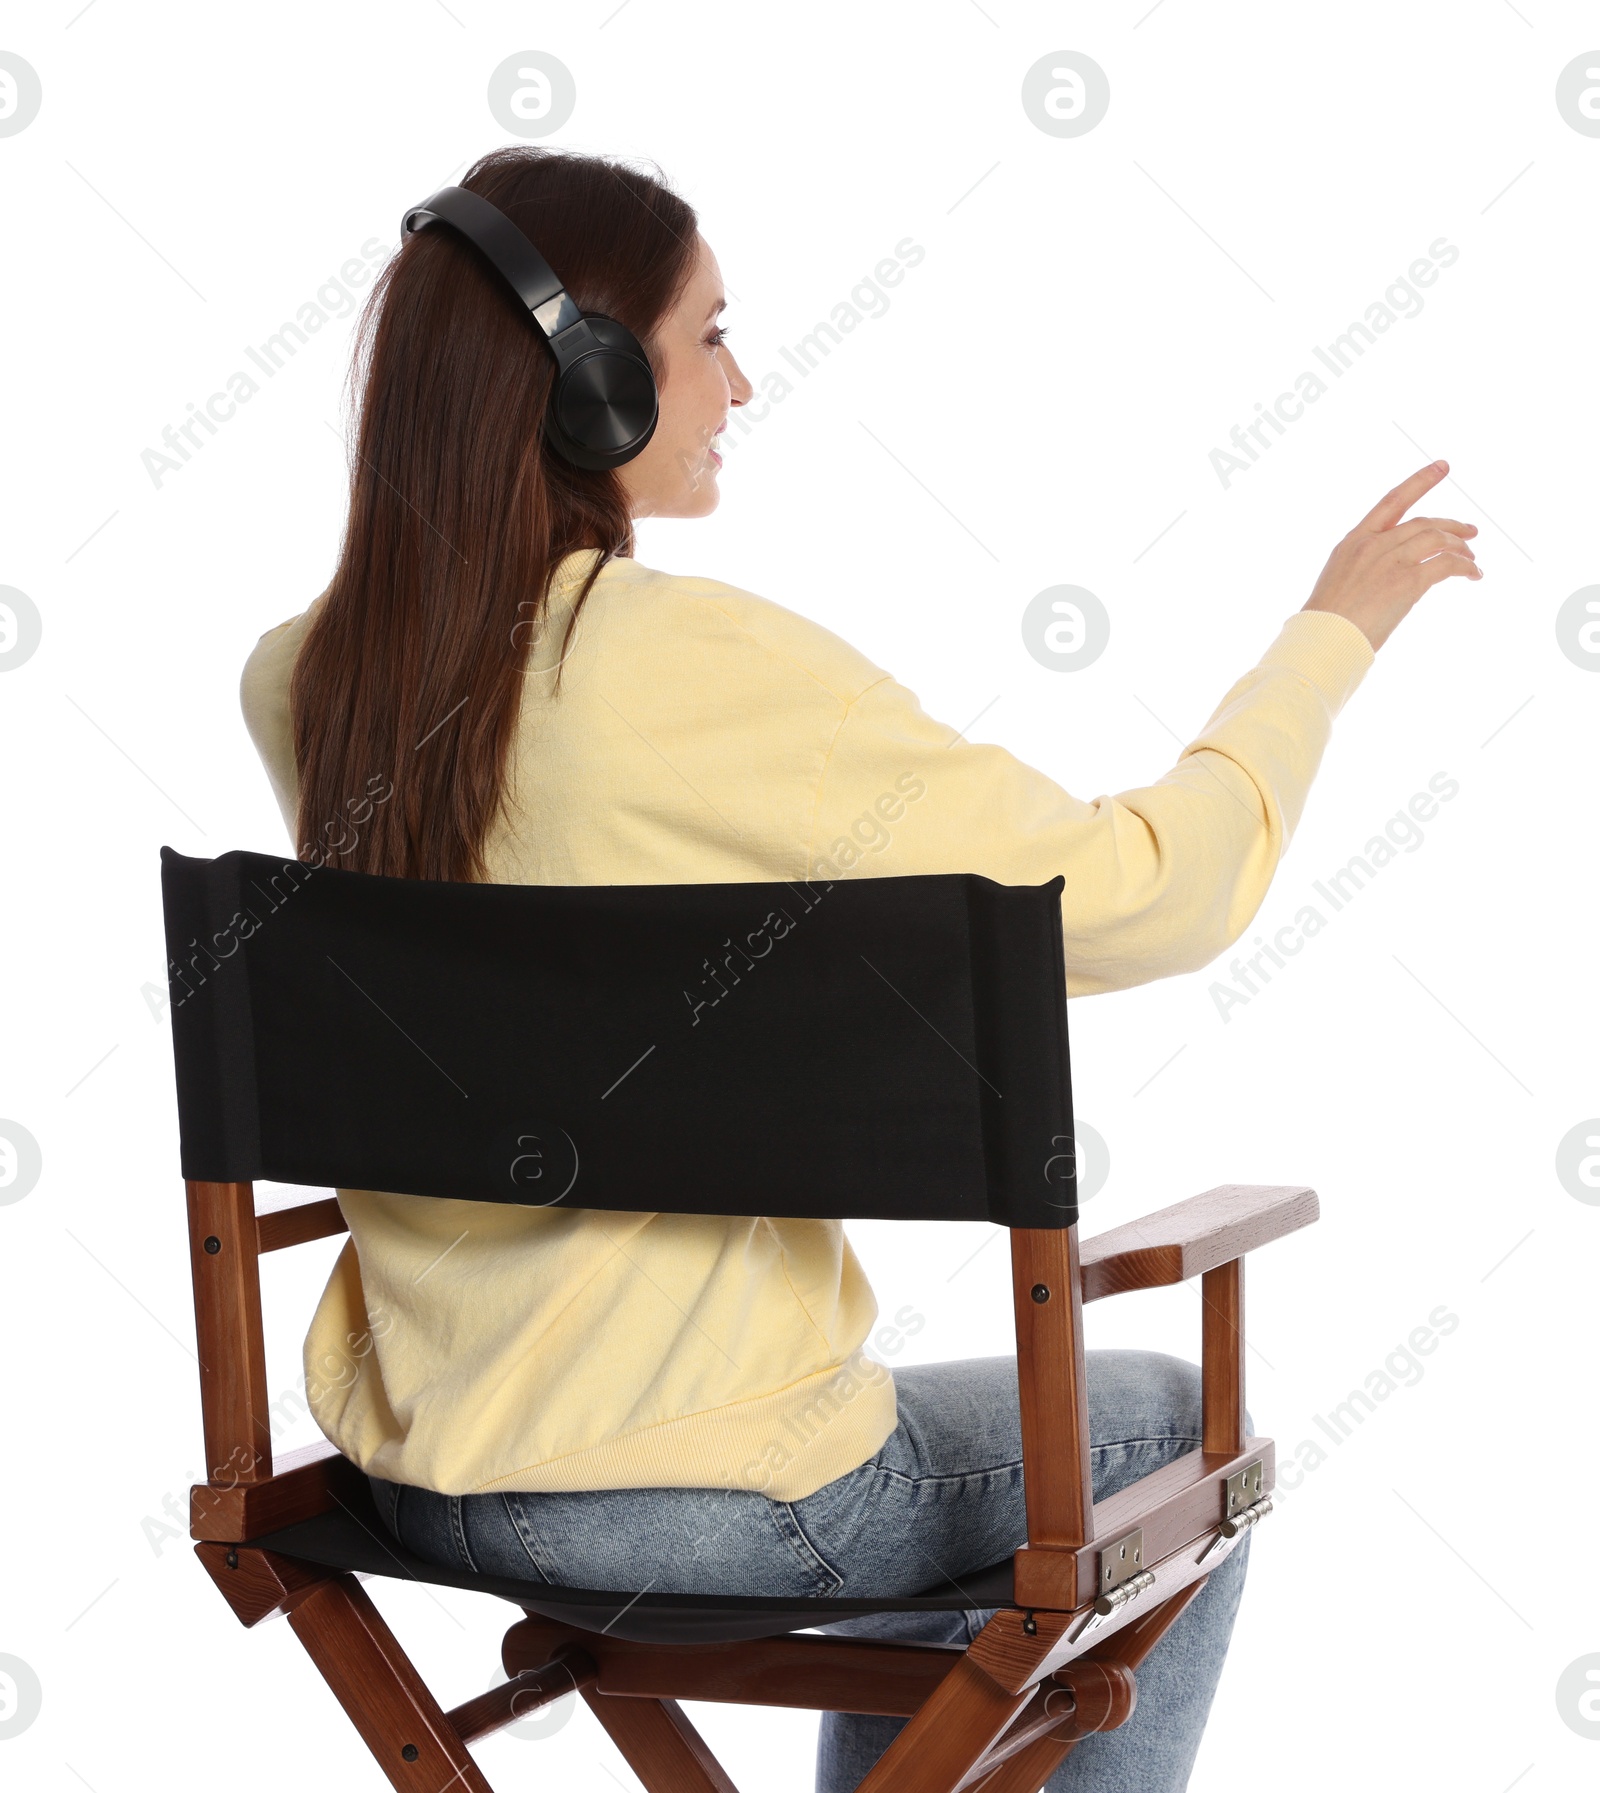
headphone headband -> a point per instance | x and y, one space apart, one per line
530 276
604 408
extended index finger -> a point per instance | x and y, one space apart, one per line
1393 505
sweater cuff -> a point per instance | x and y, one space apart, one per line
1328 651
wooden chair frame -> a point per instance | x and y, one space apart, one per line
1096 1584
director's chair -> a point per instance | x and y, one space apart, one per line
890 1048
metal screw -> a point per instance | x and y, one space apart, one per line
1040 1292
232 1559
410 1752
1030 1626
213 1245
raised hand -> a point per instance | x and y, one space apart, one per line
1380 569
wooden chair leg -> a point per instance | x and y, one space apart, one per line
1029 1769
415 1744
951 1732
661 1746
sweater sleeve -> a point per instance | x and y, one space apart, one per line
264 701
1159 880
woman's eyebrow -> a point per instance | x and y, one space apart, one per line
720 305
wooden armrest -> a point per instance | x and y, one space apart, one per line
1192 1237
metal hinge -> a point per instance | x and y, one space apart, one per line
1121 1561
1123 1577
1244 1489
1246 1506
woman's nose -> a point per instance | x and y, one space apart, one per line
739 388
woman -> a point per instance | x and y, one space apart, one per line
493 689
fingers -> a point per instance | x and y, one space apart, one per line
1448 566
1393 505
1421 544
1410 527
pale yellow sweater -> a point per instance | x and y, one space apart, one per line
705 735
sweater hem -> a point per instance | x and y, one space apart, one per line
784 1445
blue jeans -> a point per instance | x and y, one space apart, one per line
942 1497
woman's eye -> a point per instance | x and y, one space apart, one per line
718 336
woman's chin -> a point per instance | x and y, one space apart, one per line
703 497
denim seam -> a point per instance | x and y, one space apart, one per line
1015 1463
526 1538
458 1532
1111 1444
795 1536
935 1481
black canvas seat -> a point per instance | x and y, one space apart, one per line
353 1537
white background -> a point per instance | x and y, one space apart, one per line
1036 406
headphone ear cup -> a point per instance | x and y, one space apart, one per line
605 407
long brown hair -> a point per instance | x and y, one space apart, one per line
411 677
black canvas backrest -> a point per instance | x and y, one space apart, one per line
890 1048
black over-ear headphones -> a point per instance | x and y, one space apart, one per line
604 408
